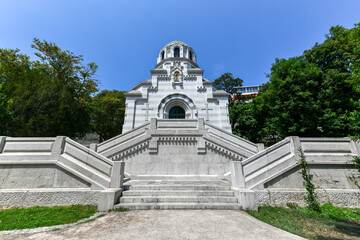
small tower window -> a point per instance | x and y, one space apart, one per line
190 56
177 77
176 52
162 55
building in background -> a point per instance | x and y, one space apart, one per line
247 92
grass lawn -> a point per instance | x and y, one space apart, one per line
331 223
21 218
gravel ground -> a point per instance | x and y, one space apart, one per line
166 224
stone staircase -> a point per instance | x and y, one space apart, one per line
160 194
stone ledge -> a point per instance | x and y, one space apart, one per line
47 197
337 197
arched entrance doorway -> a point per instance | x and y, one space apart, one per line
181 107
177 112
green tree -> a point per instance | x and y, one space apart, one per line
51 96
311 95
228 83
108 114
5 113
355 78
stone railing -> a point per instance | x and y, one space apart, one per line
148 135
329 150
231 144
84 163
124 144
78 162
93 166
255 171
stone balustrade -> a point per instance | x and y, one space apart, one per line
272 176
57 167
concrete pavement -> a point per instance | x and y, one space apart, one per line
167 224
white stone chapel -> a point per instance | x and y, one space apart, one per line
176 90
176 152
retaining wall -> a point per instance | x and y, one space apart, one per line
56 171
273 176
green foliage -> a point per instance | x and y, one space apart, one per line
5 113
331 223
21 218
48 97
355 69
339 213
227 82
356 162
292 205
121 209
108 114
316 94
311 197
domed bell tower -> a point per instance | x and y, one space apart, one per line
176 90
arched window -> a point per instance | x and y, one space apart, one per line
190 55
162 55
177 77
177 113
176 52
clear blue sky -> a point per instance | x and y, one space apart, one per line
124 37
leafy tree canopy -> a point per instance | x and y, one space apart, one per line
50 96
108 114
316 94
228 83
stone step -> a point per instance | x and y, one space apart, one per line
177 199
179 187
176 193
168 206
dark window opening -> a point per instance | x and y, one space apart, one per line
177 113
190 56
162 55
176 52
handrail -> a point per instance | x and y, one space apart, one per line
237 145
232 135
123 134
129 136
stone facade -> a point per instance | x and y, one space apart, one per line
176 81
177 149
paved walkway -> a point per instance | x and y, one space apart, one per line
168 224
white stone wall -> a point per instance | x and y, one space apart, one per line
170 148
277 166
325 176
39 176
280 197
273 176
56 171
177 158
48 197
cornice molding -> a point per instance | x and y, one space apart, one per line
176 59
